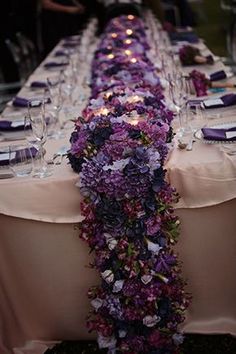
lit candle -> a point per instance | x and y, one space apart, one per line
130 17
114 35
111 56
128 52
128 41
133 60
129 31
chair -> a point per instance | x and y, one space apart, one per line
199 9
171 10
24 55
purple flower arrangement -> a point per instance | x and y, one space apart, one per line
200 82
119 147
190 55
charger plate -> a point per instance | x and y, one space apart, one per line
199 135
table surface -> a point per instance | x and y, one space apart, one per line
203 177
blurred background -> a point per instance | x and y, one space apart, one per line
26 28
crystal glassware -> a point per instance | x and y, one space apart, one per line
20 160
36 135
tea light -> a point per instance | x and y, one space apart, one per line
130 17
129 32
114 35
133 60
111 56
128 41
128 52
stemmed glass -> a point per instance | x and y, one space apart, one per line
36 134
179 92
57 98
196 120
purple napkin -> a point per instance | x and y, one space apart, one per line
20 102
218 75
190 37
24 102
217 134
54 64
227 100
60 53
38 84
6 162
6 125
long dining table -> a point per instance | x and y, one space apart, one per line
44 272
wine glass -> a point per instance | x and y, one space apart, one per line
36 134
179 92
57 98
195 121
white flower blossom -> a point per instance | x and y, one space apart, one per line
151 321
178 338
97 303
106 342
108 276
118 285
153 247
122 333
146 279
117 165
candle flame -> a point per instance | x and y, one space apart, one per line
130 17
128 52
128 41
129 31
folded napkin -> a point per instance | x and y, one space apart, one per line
223 101
218 75
219 134
4 156
190 37
54 64
60 53
7 125
38 84
24 102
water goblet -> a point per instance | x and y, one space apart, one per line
195 121
57 98
179 97
36 135
20 160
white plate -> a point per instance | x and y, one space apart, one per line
198 134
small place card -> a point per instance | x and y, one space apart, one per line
213 102
230 135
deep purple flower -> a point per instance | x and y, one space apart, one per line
111 213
